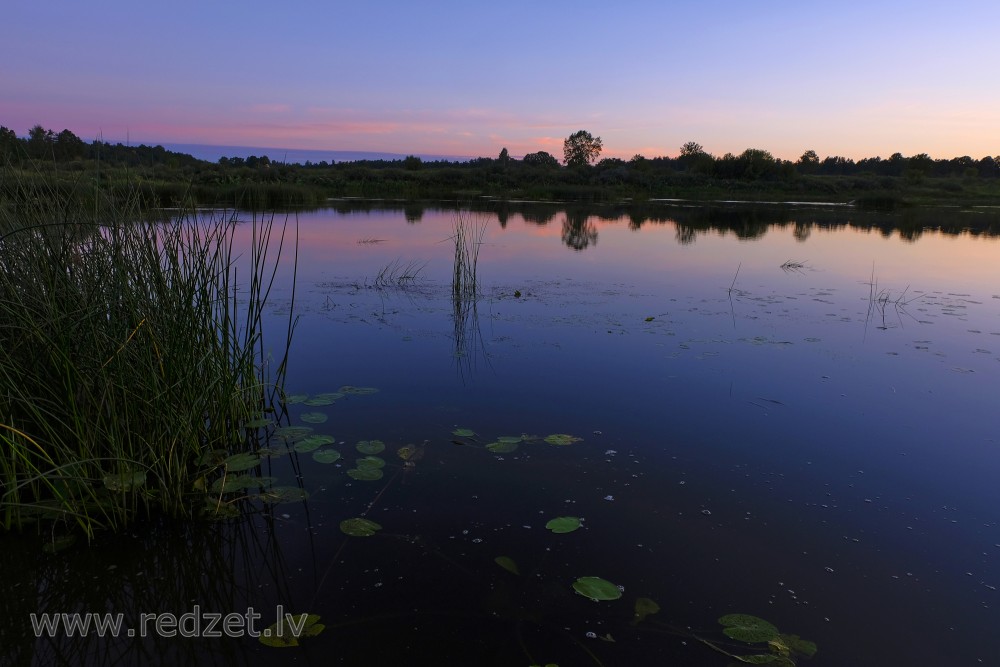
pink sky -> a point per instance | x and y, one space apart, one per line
856 79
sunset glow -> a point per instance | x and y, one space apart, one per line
465 79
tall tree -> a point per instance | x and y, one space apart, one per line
581 148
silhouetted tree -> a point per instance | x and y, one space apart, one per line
9 143
808 163
581 148
540 159
40 142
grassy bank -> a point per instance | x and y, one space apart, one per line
130 359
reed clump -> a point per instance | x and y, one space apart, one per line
468 232
130 355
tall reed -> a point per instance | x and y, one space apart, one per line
130 354
468 232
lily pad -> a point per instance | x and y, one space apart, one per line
409 452
507 563
313 417
326 456
287 631
463 432
369 462
292 399
785 644
501 447
562 439
563 524
643 608
747 628
328 398
510 438
292 432
358 391
359 527
313 442
365 474
259 422
234 483
284 494
125 481
370 446
242 461
596 589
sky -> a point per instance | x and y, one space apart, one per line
469 78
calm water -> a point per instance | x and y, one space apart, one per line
816 445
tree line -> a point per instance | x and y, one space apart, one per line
582 174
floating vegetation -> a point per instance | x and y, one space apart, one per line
502 447
410 452
510 438
313 417
284 494
326 456
328 398
241 462
596 589
125 481
259 422
747 628
370 446
357 391
464 432
644 607
292 399
292 432
235 483
783 650
369 462
287 631
563 524
507 563
365 474
562 439
359 527
313 442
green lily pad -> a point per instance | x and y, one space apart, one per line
313 442
596 589
242 461
563 524
562 439
747 628
313 417
365 474
124 481
287 631
463 432
507 563
292 432
509 438
292 399
359 527
369 462
358 391
284 494
501 447
234 483
370 446
259 422
328 398
643 608
326 456
793 644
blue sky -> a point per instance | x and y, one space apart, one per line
469 78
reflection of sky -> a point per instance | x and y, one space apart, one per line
853 464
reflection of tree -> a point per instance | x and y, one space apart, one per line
686 234
413 212
802 231
578 232
540 216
